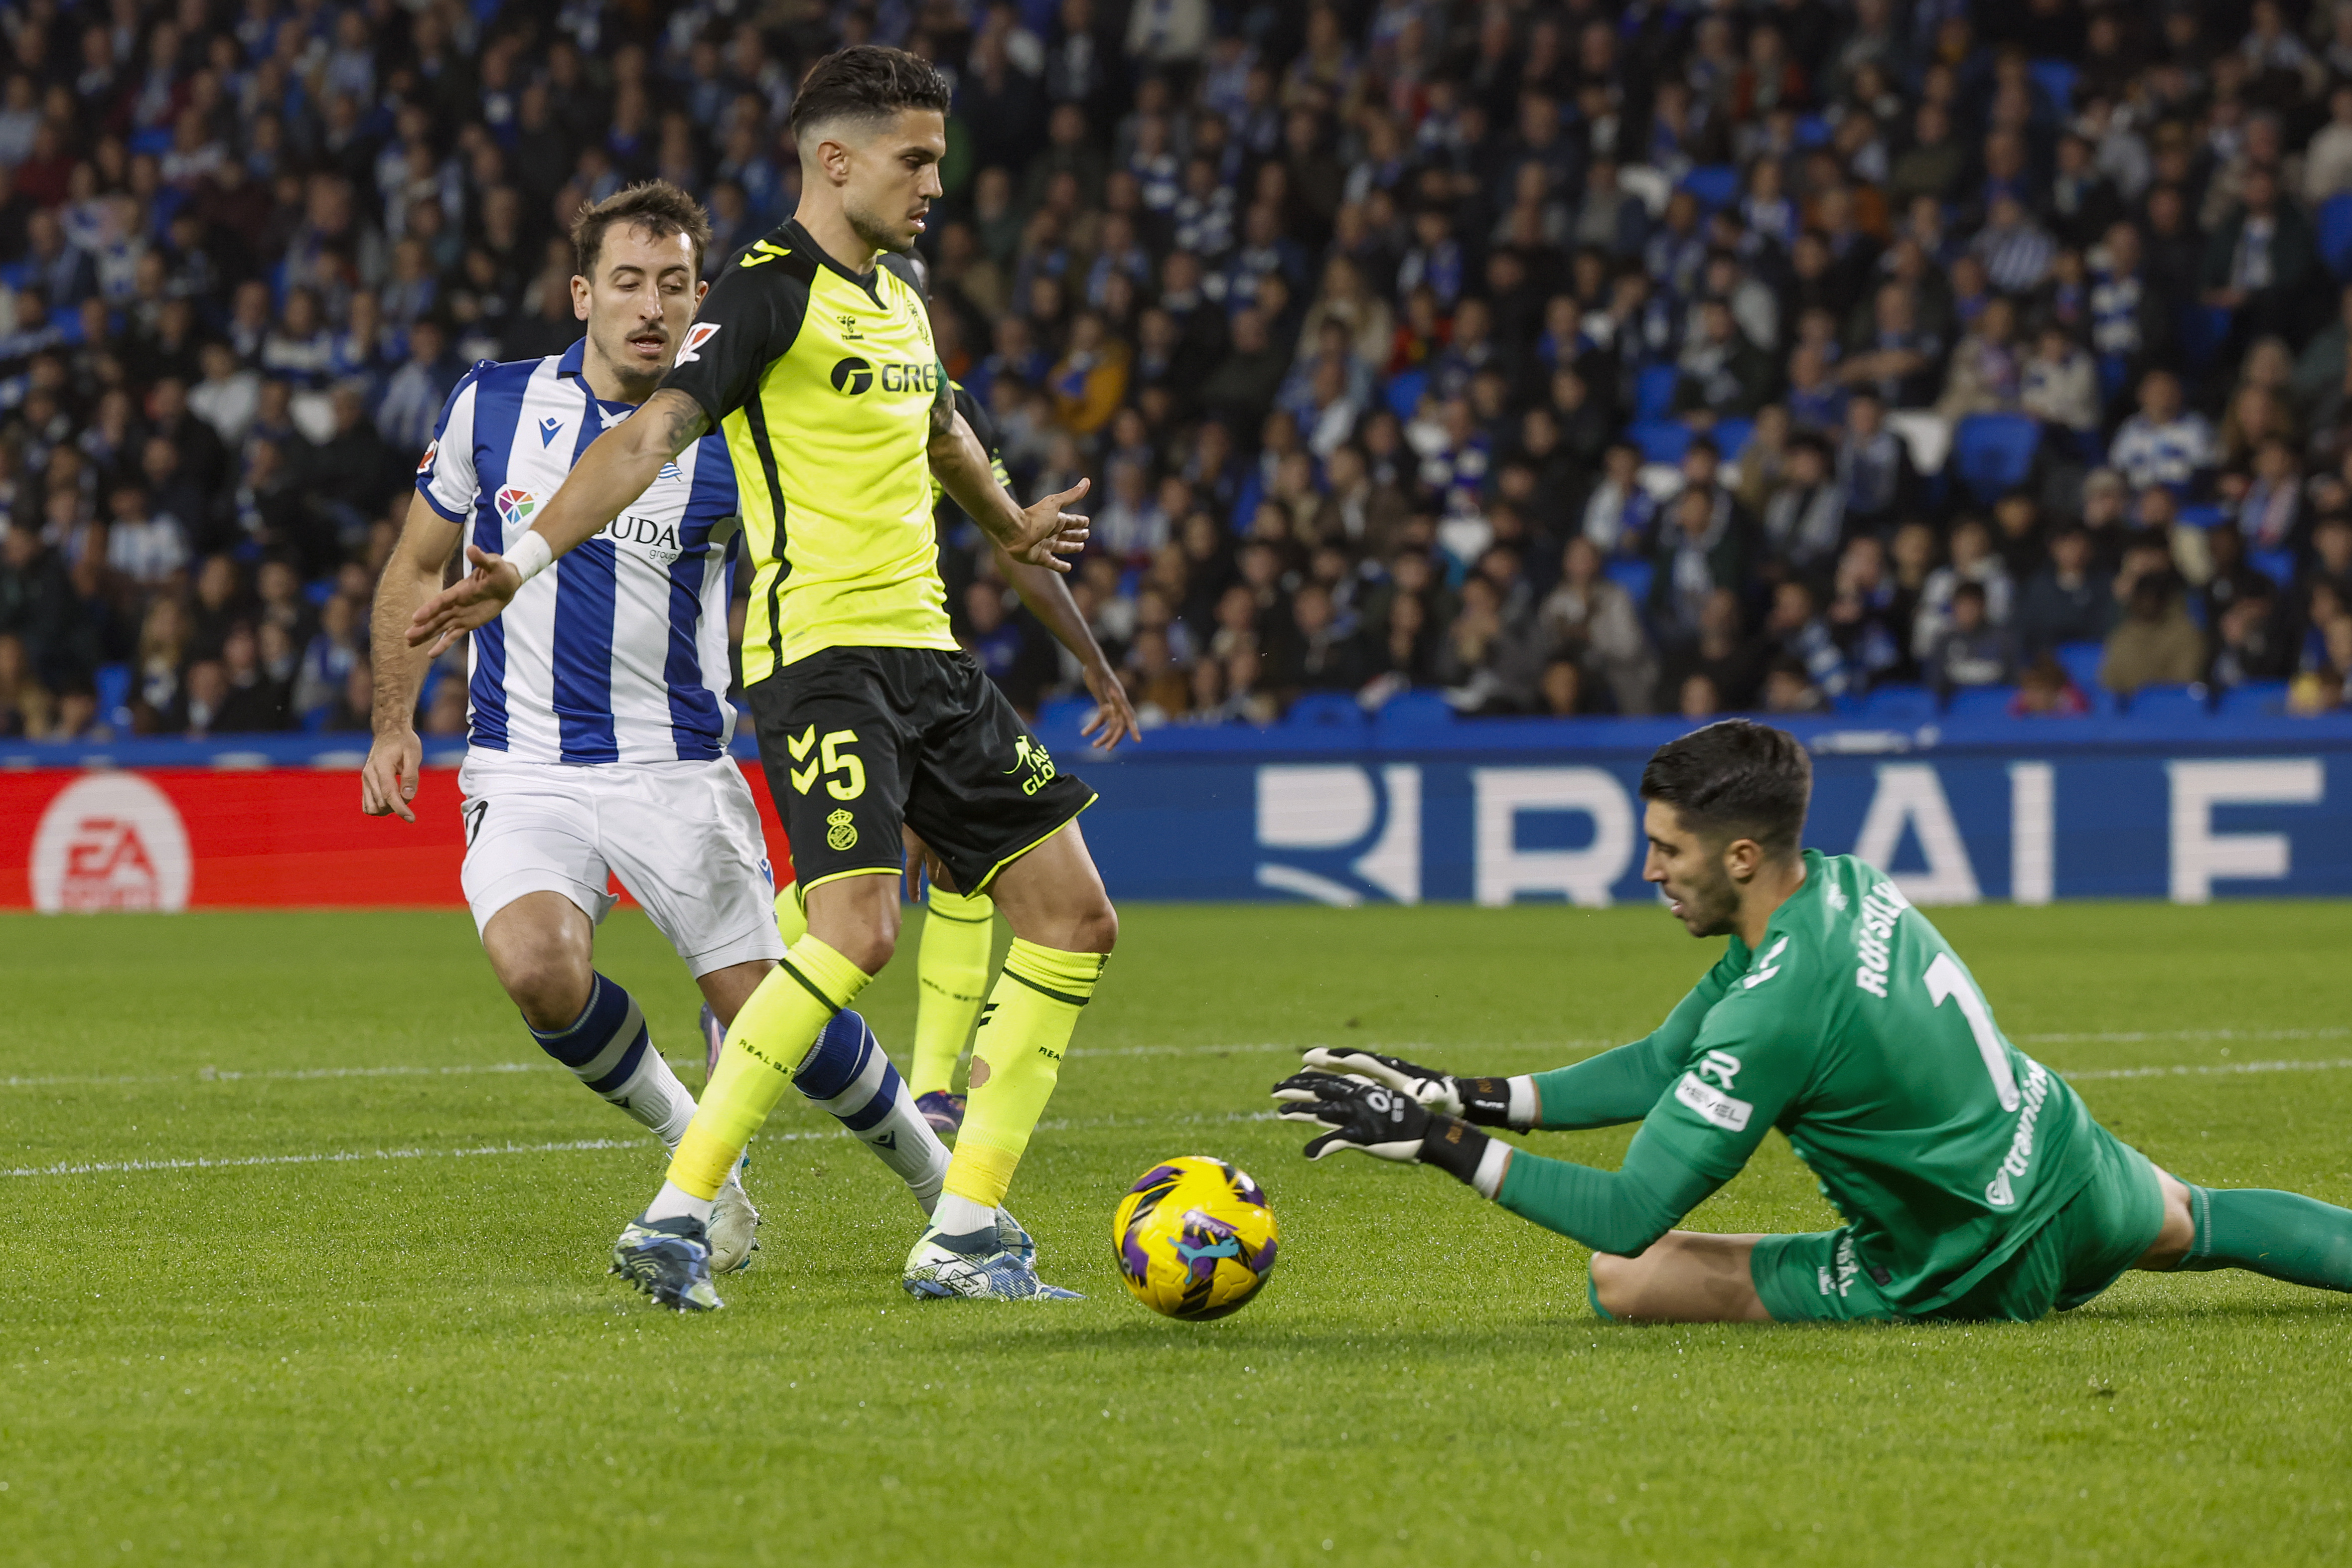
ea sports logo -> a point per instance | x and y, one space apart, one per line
853 376
112 840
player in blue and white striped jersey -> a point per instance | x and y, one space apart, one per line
598 719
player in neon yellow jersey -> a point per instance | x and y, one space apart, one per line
813 354
1974 1183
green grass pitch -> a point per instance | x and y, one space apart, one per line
420 1360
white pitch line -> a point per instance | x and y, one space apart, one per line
356 1157
2215 1069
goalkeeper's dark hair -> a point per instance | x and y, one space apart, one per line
656 206
1736 779
868 82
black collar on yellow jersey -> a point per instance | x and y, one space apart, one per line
795 237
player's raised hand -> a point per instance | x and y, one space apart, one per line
388 776
1113 718
474 600
1485 1101
1049 533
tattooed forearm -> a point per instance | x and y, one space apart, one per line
676 418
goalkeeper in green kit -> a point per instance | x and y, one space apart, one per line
1973 1182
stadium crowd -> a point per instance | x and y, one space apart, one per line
1567 358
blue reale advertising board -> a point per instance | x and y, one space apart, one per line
1501 812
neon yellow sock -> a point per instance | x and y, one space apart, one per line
792 914
769 1039
951 968
1015 1058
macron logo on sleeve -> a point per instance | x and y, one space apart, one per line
701 333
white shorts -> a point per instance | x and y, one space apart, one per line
683 837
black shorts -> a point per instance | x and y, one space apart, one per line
857 740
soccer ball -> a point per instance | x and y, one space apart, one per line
1194 1238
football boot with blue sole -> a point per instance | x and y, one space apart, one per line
669 1260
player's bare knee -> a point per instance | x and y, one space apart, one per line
546 984
1096 928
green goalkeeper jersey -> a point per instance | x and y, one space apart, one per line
1855 1029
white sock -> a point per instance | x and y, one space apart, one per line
609 1049
959 1216
674 1202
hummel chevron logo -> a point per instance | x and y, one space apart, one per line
547 429
799 746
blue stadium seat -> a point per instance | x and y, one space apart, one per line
1731 437
1326 710
113 686
1405 390
1993 453
1660 439
1812 131
1980 703
2170 705
1714 185
1415 710
2334 219
2278 565
2081 662
2056 79
1653 392
1898 703
2206 516
1632 573
2254 697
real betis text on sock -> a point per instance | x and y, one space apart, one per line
765 1046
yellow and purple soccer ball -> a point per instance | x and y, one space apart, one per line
1194 1238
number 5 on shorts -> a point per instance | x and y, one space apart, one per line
830 759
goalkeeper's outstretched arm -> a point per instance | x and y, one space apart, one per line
1620 1211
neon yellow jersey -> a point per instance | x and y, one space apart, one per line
823 382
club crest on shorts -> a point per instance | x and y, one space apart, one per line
515 505
840 832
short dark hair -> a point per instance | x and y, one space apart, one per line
1736 779
867 81
656 206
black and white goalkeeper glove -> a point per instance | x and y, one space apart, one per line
1489 1102
1390 1124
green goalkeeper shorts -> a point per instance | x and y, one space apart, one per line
2100 1232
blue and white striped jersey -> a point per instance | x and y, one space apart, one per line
617 653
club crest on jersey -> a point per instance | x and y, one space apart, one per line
515 505
549 428
424 464
669 471
701 333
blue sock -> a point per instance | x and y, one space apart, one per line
609 1049
849 1076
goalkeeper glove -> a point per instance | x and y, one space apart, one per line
1390 1124
1485 1101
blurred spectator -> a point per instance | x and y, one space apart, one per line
2163 443
1970 650
2155 642
1593 623
2045 690
2068 601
